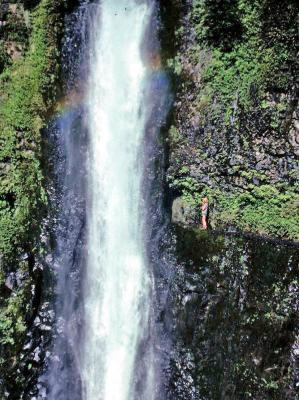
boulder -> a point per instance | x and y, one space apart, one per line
183 212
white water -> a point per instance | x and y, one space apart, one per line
117 282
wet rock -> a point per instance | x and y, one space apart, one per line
36 355
294 138
10 281
263 164
28 346
255 180
37 321
221 326
182 212
296 352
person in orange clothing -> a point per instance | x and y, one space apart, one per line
204 212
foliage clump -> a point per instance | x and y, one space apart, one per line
253 47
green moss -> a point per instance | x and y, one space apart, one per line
245 63
174 136
15 29
12 321
263 209
174 64
4 57
27 95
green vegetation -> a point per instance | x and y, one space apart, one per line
237 96
4 57
12 324
15 29
27 92
264 209
27 95
253 48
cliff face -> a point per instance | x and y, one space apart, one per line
234 138
235 133
234 303
29 70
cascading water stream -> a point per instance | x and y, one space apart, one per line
108 341
117 282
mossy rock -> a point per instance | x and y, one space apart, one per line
28 90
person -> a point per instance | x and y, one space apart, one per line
204 212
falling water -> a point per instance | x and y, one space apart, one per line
108 341
117 282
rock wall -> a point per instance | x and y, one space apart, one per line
234 324
234 135
30 33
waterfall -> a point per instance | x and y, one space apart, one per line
117 282
107 343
